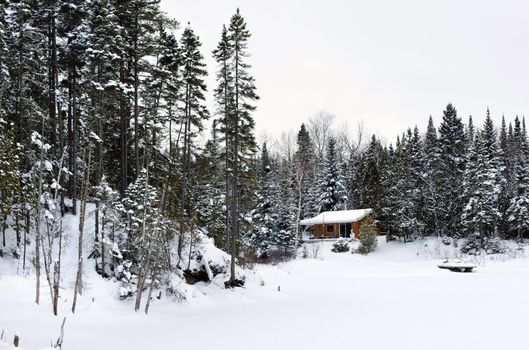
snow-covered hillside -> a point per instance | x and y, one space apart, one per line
395 297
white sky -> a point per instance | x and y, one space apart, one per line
388 63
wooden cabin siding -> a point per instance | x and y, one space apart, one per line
320 230
356 229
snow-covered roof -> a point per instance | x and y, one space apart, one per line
337 217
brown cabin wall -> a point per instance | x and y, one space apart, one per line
320 231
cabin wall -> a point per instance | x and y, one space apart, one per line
320 231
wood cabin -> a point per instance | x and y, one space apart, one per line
335 224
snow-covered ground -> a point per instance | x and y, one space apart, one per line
394 298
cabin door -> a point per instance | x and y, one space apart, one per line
345 230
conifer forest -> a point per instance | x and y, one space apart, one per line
120 183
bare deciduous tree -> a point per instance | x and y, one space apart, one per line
351 142
320 129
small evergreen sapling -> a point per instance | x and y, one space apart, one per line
340 246
368 236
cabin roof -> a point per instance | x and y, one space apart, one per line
337 217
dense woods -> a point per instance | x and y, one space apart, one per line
104 102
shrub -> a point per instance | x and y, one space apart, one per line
368 236
340 246
475 246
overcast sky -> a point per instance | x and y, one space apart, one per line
388 63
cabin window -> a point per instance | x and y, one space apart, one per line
330 228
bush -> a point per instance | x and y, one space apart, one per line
340 246
367 236
474 246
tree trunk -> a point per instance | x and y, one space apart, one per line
136 111
96 233
74 147
183 192
235 188
26 231
4 226
17 230
143 271
52 77
124 118
149 296
37 230
86 187
103 274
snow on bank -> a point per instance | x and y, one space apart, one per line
394 298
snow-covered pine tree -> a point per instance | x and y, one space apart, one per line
352 180
211 206
370 170
408 184
105 243
506 163
193 116
303 175
518 210
26 93
4 52
142 246
431 177
265 216
242 143
286 238
388 212
451 174
10 176
332 193
483 185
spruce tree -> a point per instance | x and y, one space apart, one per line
265 216
518 210
431 177
452 167
286 238
483 185
194 114
332 195
303 175
242 144
371 176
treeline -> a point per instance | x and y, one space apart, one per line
453 181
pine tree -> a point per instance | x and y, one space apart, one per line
194 115
483 184
4 52
265 215
286 237
506 164
452 167
10 176
431 176
371 176
518 211
303 175
332 188
367 236
211 210
241 143
143 245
